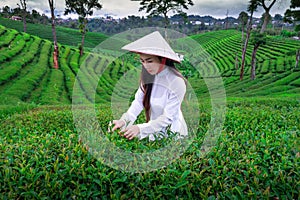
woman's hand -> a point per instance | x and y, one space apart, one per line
118 124
131 131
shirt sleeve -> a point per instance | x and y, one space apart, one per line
170 113
135 108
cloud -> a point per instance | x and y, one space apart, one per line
123 8
218 8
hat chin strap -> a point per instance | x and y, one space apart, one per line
162 65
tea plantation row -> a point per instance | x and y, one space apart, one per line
27 59
256 157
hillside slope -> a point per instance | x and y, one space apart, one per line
276 74
66 36
27 74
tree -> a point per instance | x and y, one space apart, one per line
83 8
226 22
288 16
293 14
267 12
55 52
162 7
260 39
17 11
257 40
252 7
44 19
23 7
6 11
278 17
263 22
35 16
297 58
243 19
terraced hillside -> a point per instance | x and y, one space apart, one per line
66 36
27 74
275 68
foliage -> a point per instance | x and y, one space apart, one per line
158 7
253 5
83 8
243 18
258 38
288 34
257 156
109 25
293 14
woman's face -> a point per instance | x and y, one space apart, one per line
151 63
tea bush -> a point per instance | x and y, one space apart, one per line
257 156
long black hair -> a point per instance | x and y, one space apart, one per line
147 81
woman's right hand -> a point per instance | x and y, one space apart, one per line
118 124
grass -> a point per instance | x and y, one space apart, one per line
65 36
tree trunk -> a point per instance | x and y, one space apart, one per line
166 25
55 53
249 27
82 43
243 33
267 15
55 56
266 21
297 58
24 21
236 61
226 22
23 7
83 37
253 62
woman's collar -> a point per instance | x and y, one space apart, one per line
163 72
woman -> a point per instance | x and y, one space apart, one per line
162 89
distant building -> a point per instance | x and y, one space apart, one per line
16 18
254 26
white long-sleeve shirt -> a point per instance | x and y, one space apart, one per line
165 106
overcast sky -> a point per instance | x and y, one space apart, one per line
124 8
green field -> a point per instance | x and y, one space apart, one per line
65 36
42 156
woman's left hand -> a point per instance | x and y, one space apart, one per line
131 131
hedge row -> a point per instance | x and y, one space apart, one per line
22 88
13 68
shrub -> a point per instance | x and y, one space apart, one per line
288 34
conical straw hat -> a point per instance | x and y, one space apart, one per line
153 44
